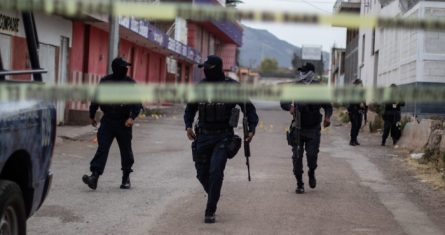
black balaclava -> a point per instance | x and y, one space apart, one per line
120 71
213 68
119 67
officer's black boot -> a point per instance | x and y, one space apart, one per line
126 184
312 179
300 185
209 217
352 143
91 181
383 142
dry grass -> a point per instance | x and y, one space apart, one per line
427 173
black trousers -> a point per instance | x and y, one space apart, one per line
108 130
309 142
210 162
390 126
356 124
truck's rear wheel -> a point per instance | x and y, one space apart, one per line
12 209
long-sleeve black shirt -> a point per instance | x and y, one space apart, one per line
116 111
310 112
392 111
249 110
356 108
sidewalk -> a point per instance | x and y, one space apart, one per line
76 132
73 132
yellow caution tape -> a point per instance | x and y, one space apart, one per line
216 92
169 11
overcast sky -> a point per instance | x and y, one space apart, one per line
298 34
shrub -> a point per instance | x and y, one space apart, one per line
376 124
344 117
376 108
149 112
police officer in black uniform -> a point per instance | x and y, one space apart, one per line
356 112
307 135
213 137
391 118
116 122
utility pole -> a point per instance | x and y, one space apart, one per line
113 39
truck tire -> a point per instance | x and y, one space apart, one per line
12 209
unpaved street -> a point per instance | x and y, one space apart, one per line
360 190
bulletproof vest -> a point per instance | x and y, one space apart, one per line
310 115
214 113
309 108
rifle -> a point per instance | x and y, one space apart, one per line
246 144
296 125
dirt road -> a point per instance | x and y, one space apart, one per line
361 190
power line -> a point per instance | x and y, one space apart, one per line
311 4
316 2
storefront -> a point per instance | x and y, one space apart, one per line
54 34
142 44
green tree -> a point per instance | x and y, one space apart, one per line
268 65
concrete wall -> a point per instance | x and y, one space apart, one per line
399 54
433 56
89 59
409 56
426 134
50 30
365 41
98 52
405 57
77 59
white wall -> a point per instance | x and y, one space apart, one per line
433 54
408 56
398 50
21 32
366 65
405 56
181 30
49 28
5 50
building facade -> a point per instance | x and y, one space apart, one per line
140 43
75 51
55 39
404 57
352 39
337 76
